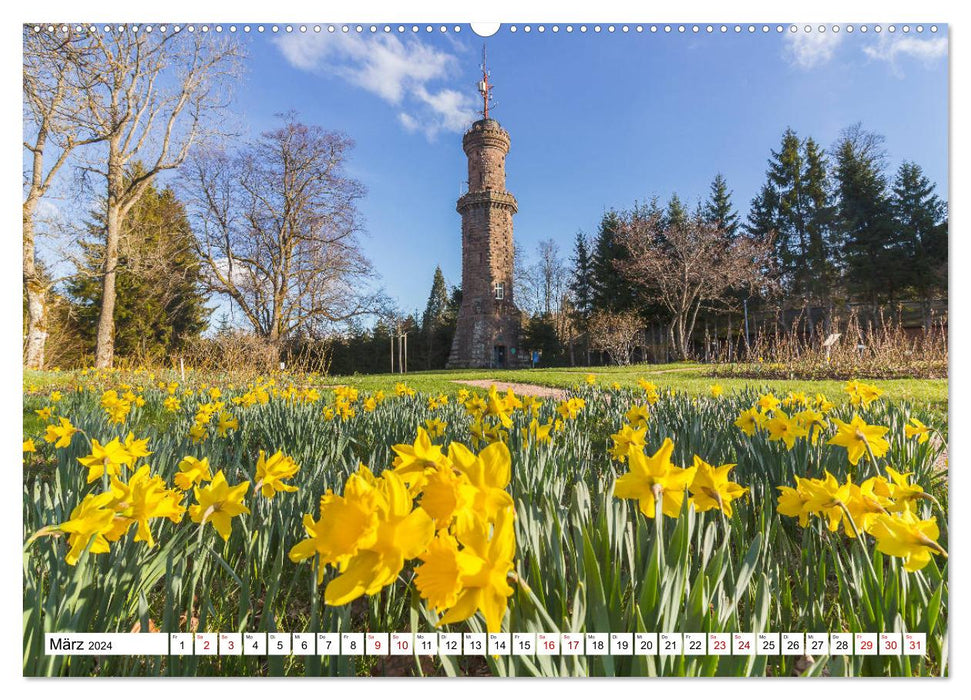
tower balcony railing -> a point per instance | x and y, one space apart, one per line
498 198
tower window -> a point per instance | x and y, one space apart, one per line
500 291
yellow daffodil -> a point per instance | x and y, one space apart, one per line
540 433
915 428
862 394
476 406
813 423
648 387
45 413
907 536
218 503
143 498
590 379
827 497
899 490
197 433
531 405
482 577
402 389
439 579
347 524
271 472
497 408
716 390
402 533
767 402
226 423
446 494
435 427
823 405
571 408
795 400
489 472
783 428
105 459
412 460
638 416
865 505
627 440
192 471
856 435
749 421
711 489
90 521
61 434
653 477
136 449
792 502
29 446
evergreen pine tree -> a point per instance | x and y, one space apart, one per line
437 305
610 291
920 218
675 213
719 209
874 263
819 217
762 218
581 278
434 321
785 175
160 306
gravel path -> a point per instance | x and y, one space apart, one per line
545 392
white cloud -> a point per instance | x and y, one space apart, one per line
401 73
810 49
890 47
409 122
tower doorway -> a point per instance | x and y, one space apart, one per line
499 356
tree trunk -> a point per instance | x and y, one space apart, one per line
36 299
675 337
105 349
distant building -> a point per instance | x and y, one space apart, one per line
488 327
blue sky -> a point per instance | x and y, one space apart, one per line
597 121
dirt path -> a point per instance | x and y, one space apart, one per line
545 392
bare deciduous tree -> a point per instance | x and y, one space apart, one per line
542 284
277 229
615 333
690 265
51 134
148 96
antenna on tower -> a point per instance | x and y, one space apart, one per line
485 87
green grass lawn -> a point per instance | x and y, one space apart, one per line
691 378
687 377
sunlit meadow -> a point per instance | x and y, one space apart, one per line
155 502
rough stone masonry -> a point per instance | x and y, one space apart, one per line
488 327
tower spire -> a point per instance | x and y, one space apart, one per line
485 87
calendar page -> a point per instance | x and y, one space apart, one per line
525 349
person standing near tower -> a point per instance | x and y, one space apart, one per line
488 326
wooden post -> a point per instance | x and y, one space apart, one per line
729 336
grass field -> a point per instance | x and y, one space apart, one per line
690 378
640 500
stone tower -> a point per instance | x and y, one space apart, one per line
488 326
